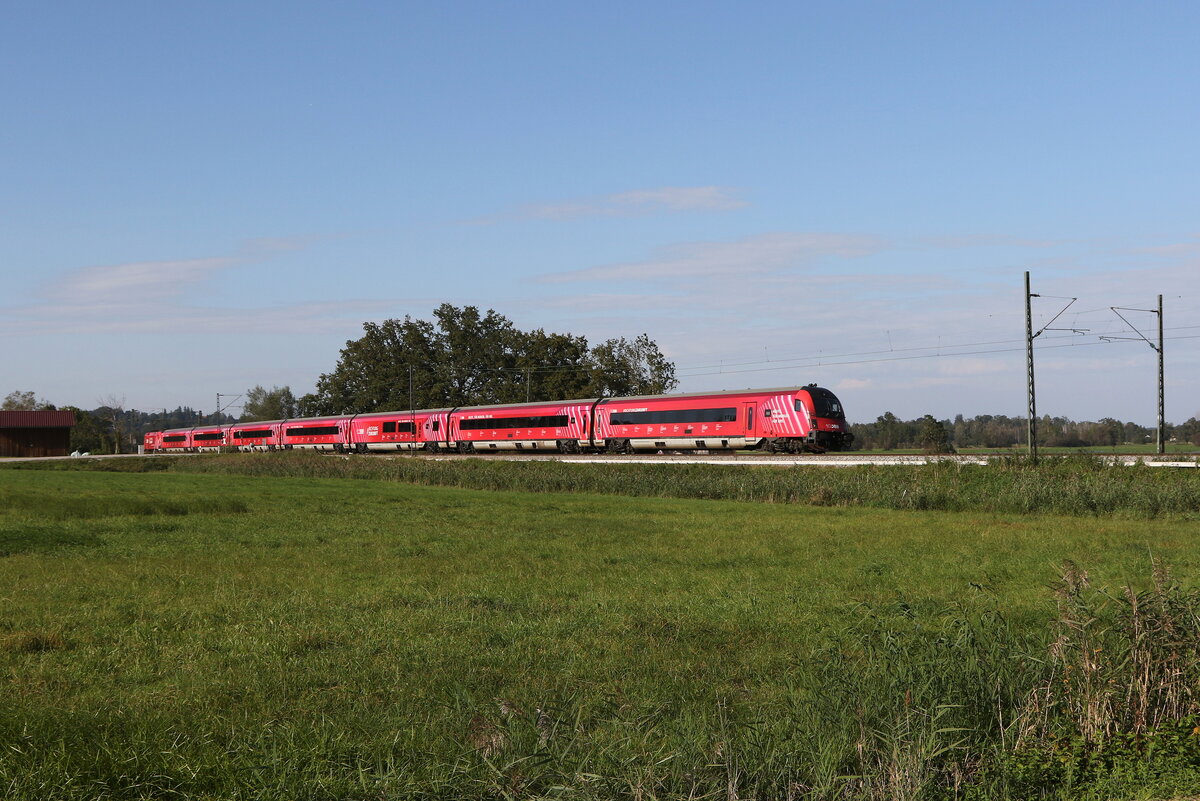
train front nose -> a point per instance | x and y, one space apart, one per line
830 430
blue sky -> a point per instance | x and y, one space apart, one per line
199 198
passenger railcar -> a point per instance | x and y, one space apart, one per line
174 439
255 436
559 426
386 431
208 438
316 433
706 421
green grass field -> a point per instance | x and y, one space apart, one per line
207 634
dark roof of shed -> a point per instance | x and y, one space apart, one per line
37 419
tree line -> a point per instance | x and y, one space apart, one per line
888 432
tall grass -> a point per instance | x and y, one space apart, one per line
1072 485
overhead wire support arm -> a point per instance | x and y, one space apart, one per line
1062 311
220 408
1162 414
1140 336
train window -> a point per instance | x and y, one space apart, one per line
389 427
544 421
312 431
435 424
252 433
175 438
825 403
211 435
766 412
723 415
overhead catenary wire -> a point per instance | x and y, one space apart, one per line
836 359
826 361
801 361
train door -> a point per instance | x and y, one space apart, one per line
766 426
750 408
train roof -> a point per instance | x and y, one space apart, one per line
526 404
714 394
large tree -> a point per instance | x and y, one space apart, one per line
469 357
277 403
625 367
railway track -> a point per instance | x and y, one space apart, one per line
802 460
745 458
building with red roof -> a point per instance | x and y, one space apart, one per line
35 433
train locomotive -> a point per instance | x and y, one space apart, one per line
791 420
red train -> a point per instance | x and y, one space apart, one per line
793 419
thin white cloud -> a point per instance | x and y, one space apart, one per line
635 202
173 319
264 246
679 198
963 367
140 281
148 297
1186 249
984 241
762 254
137 281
